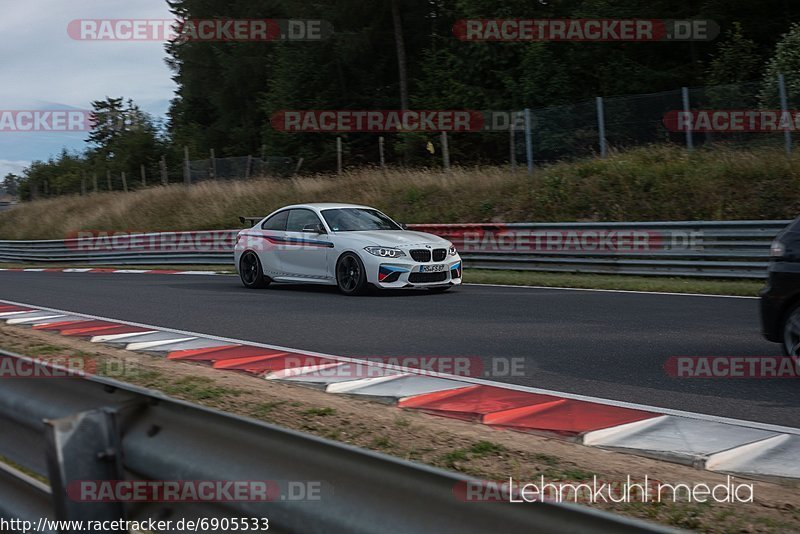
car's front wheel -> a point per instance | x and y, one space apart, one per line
250 271
350 275
791 332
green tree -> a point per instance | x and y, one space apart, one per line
786 61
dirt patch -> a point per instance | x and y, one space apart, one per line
469 448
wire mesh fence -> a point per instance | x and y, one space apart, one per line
768 117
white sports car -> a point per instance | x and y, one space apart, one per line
346 245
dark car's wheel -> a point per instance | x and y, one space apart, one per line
791 332
250 271
350 275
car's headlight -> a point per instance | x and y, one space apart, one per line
777 249
453 250
385 252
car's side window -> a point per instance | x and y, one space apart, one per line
301 218
276 222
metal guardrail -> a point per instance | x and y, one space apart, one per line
95 429
731 249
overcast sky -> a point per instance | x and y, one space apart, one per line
46 69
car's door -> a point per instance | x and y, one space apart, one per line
271 245
307 246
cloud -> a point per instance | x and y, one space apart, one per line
9 166
46 69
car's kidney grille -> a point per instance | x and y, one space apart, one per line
426 278
439 254
421 255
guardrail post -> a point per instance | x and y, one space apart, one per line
84 448
144 175
338 155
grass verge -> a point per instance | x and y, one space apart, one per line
622 282
645 184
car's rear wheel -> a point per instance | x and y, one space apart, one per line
350 275
250 271
791 332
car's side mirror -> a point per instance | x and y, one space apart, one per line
313 229
404 226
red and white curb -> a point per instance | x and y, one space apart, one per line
112 271
707 442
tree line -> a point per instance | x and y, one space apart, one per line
402 54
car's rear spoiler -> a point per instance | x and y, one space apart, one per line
250 221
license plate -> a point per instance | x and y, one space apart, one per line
431 268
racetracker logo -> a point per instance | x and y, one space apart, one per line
732 120
585 30
43 120
202 491
52 367
119 241
348 121
733 367
202 30
373 367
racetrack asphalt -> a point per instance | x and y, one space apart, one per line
611 345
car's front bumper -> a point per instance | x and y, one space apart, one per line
394 274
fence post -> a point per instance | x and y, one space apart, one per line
445 153
187 171
94 181
528 141
124 182
299 164
108 179
144 175
512 141
686 110
163 166
213 165
787 134
380 152
601 126
247 170
339 155
83 185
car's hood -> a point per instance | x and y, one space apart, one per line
395 238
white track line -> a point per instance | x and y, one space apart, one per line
477 381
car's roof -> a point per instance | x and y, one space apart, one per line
326 206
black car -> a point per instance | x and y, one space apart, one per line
780 299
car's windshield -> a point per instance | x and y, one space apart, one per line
357 219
